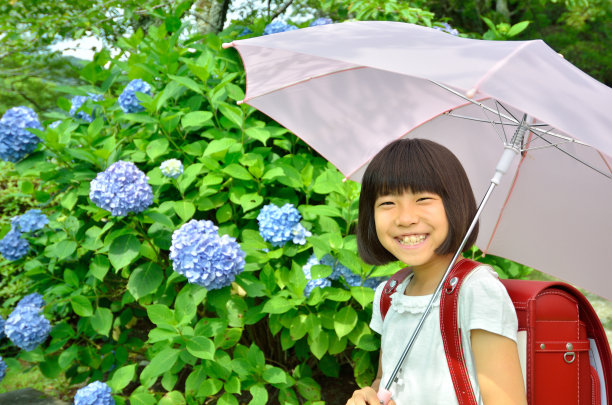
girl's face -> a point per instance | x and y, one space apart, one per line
411 226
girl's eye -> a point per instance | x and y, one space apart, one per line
385 203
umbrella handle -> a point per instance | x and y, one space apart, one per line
384 396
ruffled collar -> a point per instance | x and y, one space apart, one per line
410 304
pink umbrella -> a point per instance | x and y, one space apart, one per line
349 89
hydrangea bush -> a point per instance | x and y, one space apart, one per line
191 290
95 393
77 106
171 168
128 101
16 141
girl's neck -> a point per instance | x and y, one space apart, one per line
426 277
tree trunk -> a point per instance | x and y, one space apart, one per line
501 6
210 15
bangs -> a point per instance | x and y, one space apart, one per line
407 167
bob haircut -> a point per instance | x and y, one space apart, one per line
417 165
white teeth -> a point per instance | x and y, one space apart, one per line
412 239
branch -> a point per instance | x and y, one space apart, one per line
281 9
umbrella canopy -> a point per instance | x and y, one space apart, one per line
349 89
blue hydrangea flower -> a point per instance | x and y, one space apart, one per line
33 220
278 26
374 282
321 21
26 327
245 31
446 27
16 141
281 225
55 124
128 101
77 103
3 368
205 258
2 322
13 246
121 189
32 300
171 168
312 284
96 393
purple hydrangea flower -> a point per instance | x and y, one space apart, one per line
13 246
446 27
128 101
77 103
278 26
96 393
26 327
33 220
16 141
281 225
171 168
3 368
204 257
121 189
32 300
321 21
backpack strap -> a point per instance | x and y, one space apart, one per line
451 333
390 287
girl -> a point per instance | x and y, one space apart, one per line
416 205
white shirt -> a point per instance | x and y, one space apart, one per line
424 378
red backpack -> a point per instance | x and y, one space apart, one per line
563 347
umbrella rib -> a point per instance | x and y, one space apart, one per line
552 145
497 104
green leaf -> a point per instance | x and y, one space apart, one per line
184 209
201 347
275 375
232 113
187 82
102 320
344 321
261 134
141 396
363 295
122 377
319 345
238 172
160 314
250 201
145 279
67 357
99 267
517 28
277 305
218 147
81 306
227 399
308 388
260 395
69 200
61 250
327 182
157 148
160 218
162 362
172 398
196 119
185 306
123 250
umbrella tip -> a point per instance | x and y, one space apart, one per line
240 102
470 93
226 45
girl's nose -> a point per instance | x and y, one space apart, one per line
406 216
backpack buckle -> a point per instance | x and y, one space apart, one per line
569 356
451 285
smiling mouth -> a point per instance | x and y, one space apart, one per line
411 240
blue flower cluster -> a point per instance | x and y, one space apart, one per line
128 101
13 246
26 327
32 300
33 220
3 368
204 257
77 103
121 189
321 21
278 26
171 168
281 225
446 27
2 322
338 271
15 140
96 393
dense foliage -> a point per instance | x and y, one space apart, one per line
191 249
